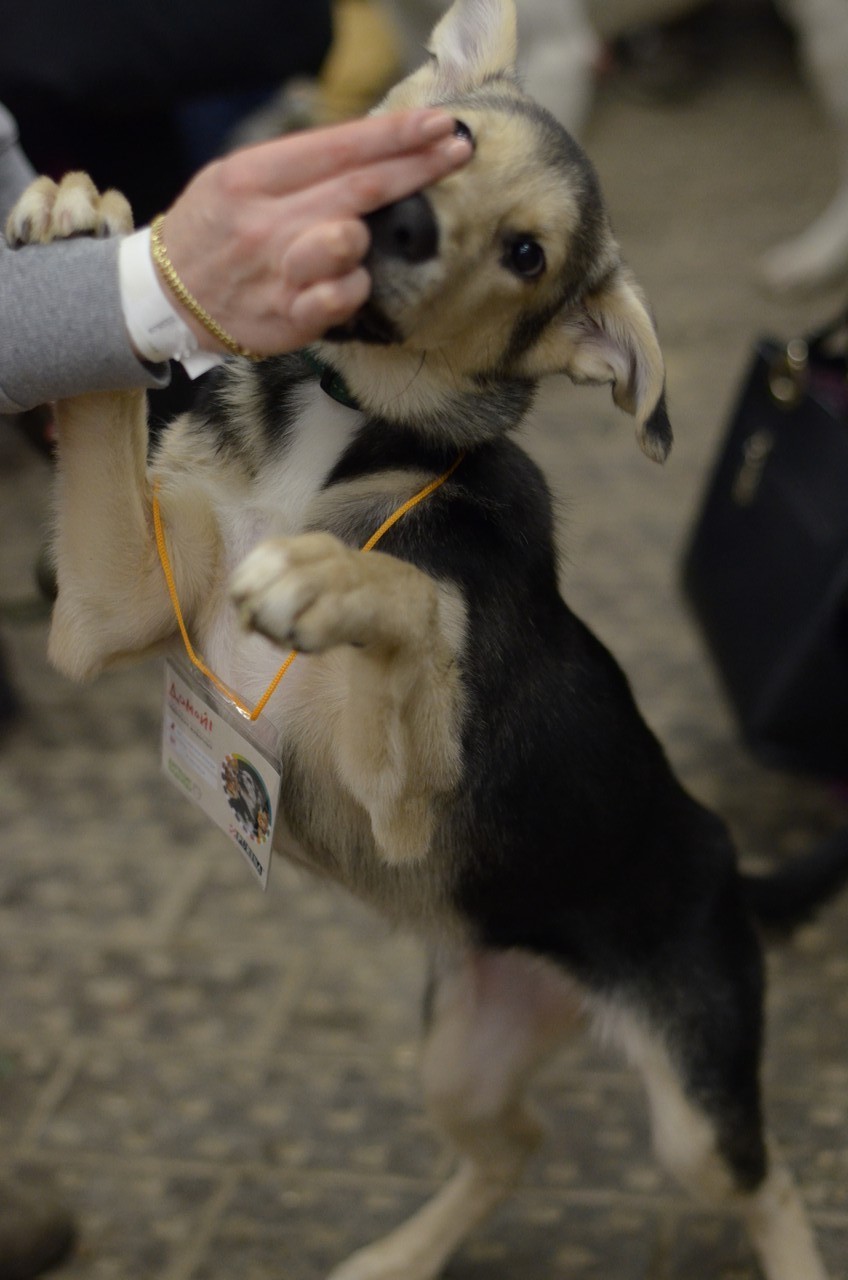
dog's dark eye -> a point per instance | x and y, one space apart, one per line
526 257
461 130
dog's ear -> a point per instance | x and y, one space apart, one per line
474 41
609 336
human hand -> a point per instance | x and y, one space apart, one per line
270 239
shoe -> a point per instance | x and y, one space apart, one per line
35 1232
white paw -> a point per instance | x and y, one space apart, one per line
55 211
309 592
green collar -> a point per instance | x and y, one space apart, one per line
332 383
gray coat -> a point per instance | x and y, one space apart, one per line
61 325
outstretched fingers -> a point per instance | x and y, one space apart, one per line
325 251
299 160
322 268
327 303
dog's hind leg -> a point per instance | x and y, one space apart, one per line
492 1017
689 1143
701 1076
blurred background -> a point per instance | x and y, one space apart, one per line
218 1081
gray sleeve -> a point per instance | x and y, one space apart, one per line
15 170
61 325
62 329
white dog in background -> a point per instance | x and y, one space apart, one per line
562 41
820 253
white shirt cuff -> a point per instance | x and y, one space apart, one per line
157 330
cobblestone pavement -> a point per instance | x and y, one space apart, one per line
222 1083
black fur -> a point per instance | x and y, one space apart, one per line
658 430
578 842
273 398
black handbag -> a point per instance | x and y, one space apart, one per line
766 569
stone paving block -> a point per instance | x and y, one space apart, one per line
303 1113
547 1239
360 993
598 1135
26 1068
295 909
709 1247
133 1223
298 1229
163 994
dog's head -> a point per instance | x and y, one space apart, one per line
507 270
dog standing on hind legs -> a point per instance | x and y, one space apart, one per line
456 747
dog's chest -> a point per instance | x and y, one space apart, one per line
288 474
287 481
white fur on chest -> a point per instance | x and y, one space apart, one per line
288 482
277 505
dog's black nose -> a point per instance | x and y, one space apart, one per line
407 230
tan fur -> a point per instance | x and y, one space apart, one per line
610 339
606 337
48 210
113 601
392 740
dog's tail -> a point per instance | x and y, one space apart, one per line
790 896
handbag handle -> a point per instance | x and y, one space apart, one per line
819 337
789 372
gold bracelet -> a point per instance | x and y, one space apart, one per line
188 300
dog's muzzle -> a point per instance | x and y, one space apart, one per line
405 233
406 230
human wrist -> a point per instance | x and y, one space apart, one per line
191 308
157 327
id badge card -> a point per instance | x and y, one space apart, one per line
223 762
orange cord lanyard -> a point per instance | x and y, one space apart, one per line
254 713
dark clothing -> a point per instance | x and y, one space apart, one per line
131 58
102 86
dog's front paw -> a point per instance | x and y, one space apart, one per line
310 593
73 207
